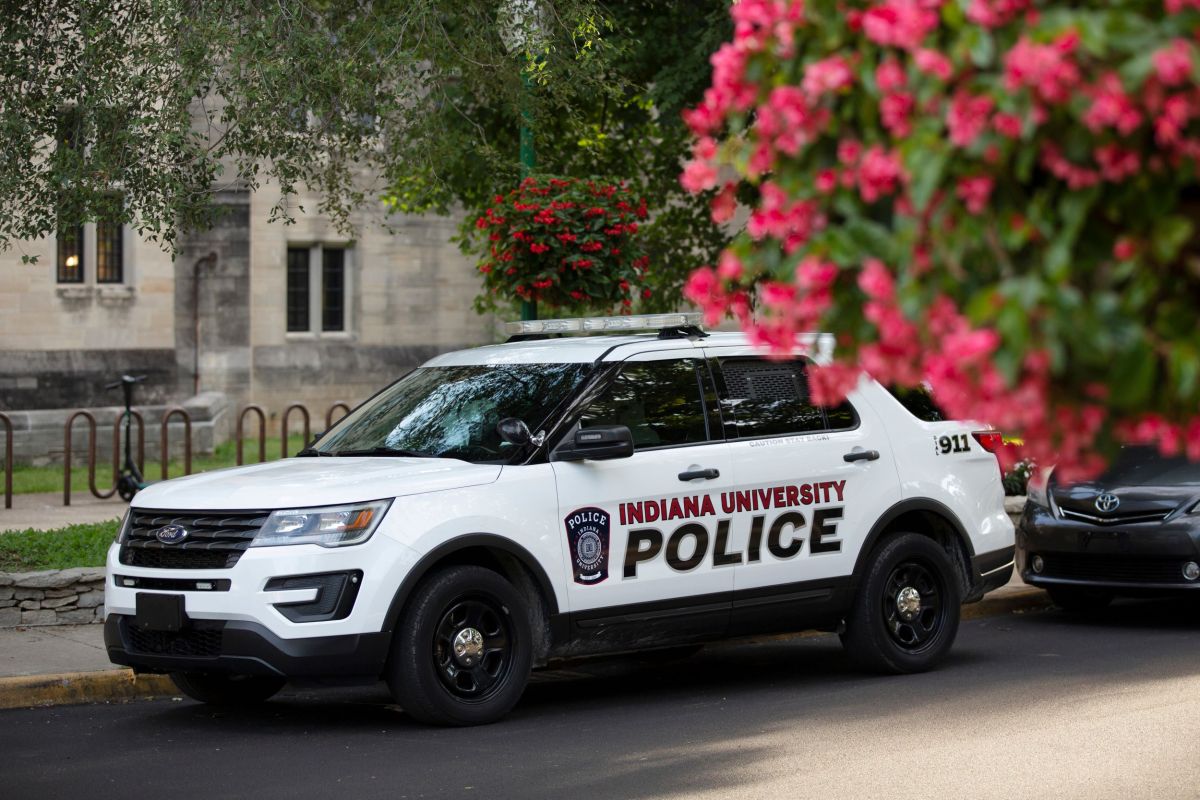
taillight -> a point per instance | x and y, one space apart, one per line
991 441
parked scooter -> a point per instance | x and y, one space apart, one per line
130 480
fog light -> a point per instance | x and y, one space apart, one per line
1038 564
1191 570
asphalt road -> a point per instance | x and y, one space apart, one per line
1032 705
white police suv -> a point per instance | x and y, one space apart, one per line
503 508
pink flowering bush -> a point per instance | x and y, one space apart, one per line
994 197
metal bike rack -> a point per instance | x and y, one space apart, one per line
345 407
283 433
8 459
262 432
164 450
91 460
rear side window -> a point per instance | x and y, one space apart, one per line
919 402
770 398
659 401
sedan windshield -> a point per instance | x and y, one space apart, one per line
451 412
1145 466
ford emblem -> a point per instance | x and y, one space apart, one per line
171 534
1107 503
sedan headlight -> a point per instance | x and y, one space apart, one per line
332 526
1038 488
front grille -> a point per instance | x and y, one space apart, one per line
198 642
216 539
1113 568
1133 518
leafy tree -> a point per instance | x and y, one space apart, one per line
656 65
997 197
417 100
138 107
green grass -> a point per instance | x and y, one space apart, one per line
73 546
28 480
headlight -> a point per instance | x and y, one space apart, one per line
332 526
126 524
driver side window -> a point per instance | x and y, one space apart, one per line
659 401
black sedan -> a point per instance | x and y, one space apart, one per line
1135 530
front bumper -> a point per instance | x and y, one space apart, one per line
244 648
245 619
1144 558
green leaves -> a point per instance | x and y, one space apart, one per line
1169 235
312 94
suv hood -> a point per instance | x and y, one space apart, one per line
306 482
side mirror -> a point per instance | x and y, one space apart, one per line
596 444
514 431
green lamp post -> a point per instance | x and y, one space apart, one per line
521 29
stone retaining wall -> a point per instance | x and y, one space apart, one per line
55 597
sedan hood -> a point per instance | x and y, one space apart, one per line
306 482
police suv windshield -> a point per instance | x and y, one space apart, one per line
451 412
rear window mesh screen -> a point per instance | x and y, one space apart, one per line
770 398
766 382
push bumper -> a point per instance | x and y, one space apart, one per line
242 647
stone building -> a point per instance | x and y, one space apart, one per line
250 311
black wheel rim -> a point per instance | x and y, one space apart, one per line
913 606
477 669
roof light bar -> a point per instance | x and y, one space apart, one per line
631 322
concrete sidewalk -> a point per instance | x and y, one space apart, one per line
68 664
45 511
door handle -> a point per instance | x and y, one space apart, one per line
861 455
707 474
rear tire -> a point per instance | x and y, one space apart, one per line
463 651
906 613
227 690
1079 599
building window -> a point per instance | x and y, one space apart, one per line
110 253
333 290
70 255
297 289
317 289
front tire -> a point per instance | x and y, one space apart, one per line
463 651
906 613
227 690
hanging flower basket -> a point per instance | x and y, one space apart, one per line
567 243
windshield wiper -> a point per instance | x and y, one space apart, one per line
310 451
381 451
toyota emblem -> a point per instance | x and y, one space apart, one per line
1107 503
171 534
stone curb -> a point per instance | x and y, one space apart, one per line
73 688
121 684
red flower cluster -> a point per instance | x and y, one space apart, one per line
565 242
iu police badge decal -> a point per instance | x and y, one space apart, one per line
587 534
